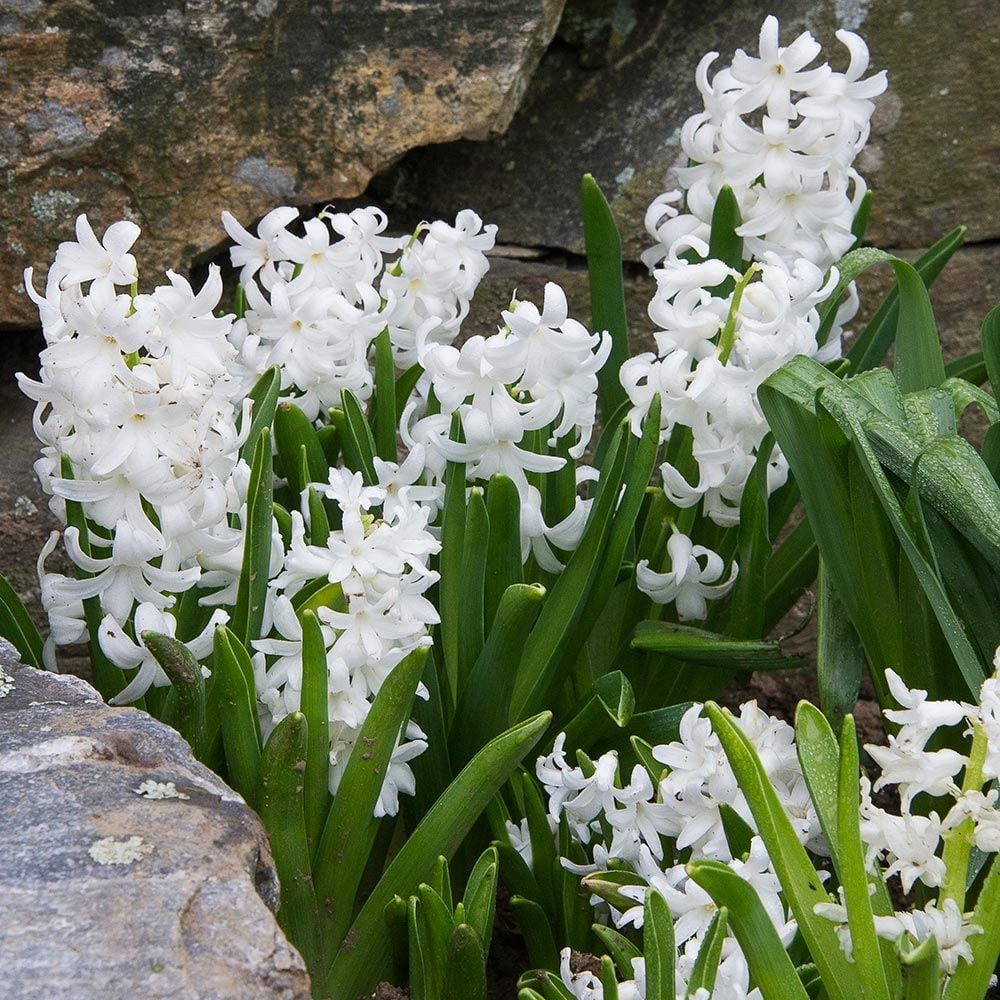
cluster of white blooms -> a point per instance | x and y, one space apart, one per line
526 400
910 844
626 825
683 807
135 394
378 560
783 138
732 980
316 302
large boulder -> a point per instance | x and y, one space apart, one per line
166 112
129 869
612 92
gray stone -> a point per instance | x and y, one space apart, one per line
167 112
129 870
611 94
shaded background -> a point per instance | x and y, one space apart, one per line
167 112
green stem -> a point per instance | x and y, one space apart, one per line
958 841
727 340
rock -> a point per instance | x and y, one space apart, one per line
129 869
168 112
611 94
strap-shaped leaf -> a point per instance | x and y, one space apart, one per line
746 609
450 594
658 947
799 879
480 896
839 654
921 968
240 733
293 432
683 642
350 828
357 440
619 947
607 707
503 554
543 953
871 344
17 627
264 397
706 963
384 400
465 972
990 334
281 809
315 706
475 542
360 964
607 291
770 967
187 713
881 983
251 594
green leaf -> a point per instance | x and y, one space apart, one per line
264 397
293 432
969 367
450 591
917 359
609 884
315 706
543 953
360 964
770 967
384 401
853 874
922 971
240 732
709 649
746 609
990 334
608 706
503 556
619 947
405 385
724 243
434 927
482 710
248 615
480 895
17 627
184 671
706 963
658 947
791 568
607 291
475 541
839 654
799 880
358 443
465 974
870 346
349 832
281 810
848 267
819 757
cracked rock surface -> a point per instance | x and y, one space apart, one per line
129 870
166 112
